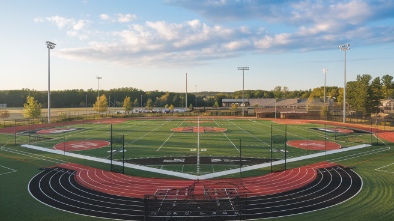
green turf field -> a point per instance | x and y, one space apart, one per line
154 138
145 138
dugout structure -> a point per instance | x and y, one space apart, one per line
216 202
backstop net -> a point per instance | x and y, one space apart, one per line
220 201
117 150
278 147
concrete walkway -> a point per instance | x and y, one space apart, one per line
190 176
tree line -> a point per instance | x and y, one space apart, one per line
138 98
364 94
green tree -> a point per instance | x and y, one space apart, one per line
277 92
176 101
375 95
127 104
285 91
358 94
387 86
324 112
258 94
149 104
135 103
316 93
101 104
171 108
333 93
32 109
218 99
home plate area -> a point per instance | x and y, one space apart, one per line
93 192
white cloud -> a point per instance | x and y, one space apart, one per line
75 28
236 45
62 22
79 25
104 17
309 25
124 18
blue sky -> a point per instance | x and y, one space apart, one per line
152 44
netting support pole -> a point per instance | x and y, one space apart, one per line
123 153
271 148
240 158
198 146
325 141
111 149
15 132
377 134
285 146
371 132
64 144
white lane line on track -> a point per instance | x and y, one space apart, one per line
319 202
70 205
55 176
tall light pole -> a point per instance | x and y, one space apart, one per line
186 94
196 95
243 87
344 48
325 73
50 45
98 92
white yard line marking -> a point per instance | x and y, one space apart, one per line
165 141
147 133
380 168
228 138
7 168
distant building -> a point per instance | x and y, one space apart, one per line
238 102
283 108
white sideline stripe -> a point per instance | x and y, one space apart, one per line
96 159
189 176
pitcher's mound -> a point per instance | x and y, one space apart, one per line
78 145
314 144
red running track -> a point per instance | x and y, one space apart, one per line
133 186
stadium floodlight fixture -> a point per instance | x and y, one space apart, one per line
50 45
344 48
243 69
325 73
